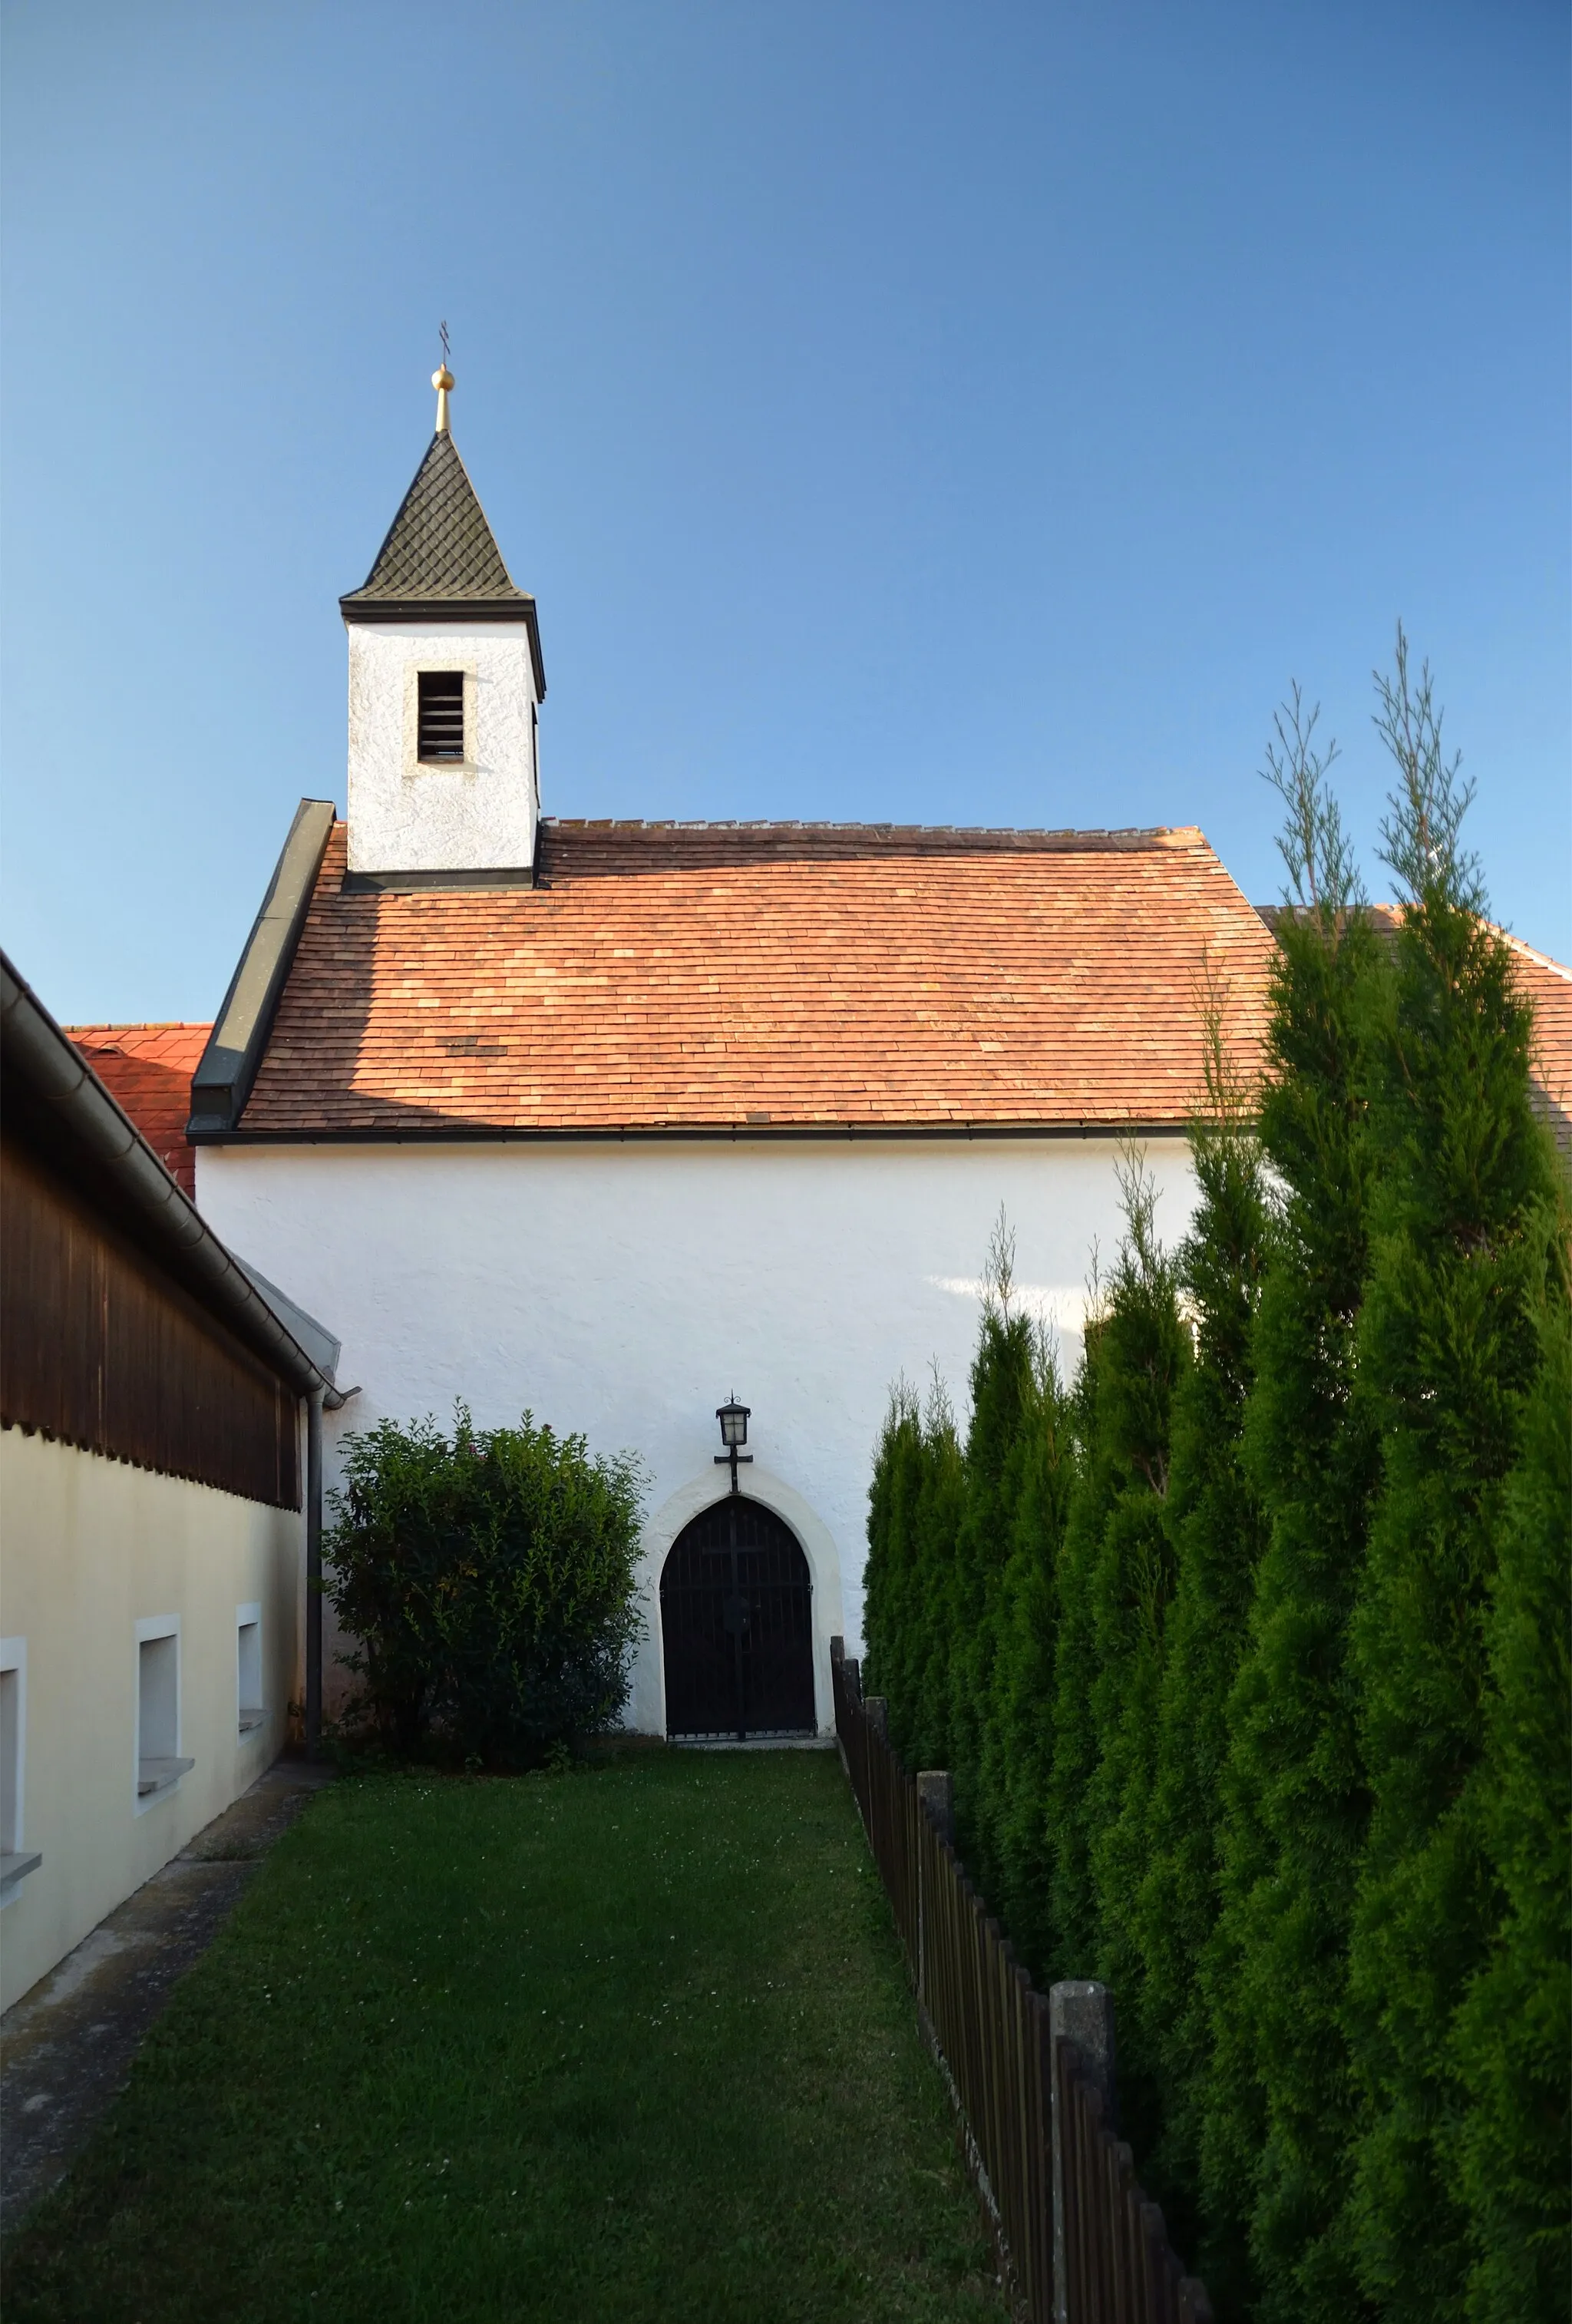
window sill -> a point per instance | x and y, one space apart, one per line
154 1775
14 1871
250 1720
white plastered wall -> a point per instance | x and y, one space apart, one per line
625 1290
479 816
93 1547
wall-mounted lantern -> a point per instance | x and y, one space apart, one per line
733 1419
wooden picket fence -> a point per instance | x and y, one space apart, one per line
1079 2240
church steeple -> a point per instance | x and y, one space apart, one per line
440 552
445 679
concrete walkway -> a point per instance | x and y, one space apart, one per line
67 2046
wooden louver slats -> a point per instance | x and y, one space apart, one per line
441 713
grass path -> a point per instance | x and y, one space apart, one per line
625 2044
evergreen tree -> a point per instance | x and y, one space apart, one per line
1280 2098
1071 1908
1019 1741
1512 2040
997 1435
1143 1354
890 1613
1448 1349
940 1503
1217 1532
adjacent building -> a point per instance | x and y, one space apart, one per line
156 1415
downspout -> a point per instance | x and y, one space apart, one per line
314 1573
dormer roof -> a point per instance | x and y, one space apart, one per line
440 561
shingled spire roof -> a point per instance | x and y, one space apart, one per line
440 561
439 544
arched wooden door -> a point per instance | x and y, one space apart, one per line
737 1622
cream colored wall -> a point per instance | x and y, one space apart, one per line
89 1547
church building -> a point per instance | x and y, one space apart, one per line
623 1123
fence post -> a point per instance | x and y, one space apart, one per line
1081 2010
878 1711
936 1790
936 1794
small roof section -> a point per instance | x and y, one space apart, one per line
147 1069
1548 985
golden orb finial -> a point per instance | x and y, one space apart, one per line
442 380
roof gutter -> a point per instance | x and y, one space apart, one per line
32 1046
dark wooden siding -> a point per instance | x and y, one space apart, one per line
101 1348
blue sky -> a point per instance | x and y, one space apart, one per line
900 411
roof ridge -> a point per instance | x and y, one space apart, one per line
1153 835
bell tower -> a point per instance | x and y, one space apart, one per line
445 683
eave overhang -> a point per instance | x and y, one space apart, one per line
455 611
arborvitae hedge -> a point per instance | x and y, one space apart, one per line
892 1613
1448 1357
1072 1751
1217 1530
962 1544
1251 1662
1278 2111
1018 1744
1003 1402
1509 2133
1144 1355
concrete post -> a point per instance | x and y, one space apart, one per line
878 1711
936 1790
1081 2010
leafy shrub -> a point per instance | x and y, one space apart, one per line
488 1581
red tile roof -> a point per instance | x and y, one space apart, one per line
669 976
147 1070
1549 986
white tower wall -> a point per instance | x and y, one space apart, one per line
473 816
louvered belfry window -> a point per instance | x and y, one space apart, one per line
441 713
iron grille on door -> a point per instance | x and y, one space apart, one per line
736 1616
441 713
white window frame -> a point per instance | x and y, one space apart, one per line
250 1717
152 1626
18 1860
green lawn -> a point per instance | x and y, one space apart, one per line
628 2044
